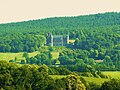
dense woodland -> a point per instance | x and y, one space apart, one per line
97 37
74 60
33 77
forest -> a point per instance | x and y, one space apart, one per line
33 77
97 37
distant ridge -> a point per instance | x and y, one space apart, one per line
63 23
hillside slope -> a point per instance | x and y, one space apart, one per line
59 24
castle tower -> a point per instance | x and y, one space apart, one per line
65 40
49 39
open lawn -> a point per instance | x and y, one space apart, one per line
55 55
58 76
114 74
10 56
97 81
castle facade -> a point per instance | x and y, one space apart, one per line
57 40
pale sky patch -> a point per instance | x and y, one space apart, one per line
21 10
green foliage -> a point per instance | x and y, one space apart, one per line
19 42
63 24
22 61
97 37
113 84
25 77
26 55
34 77
93 86
59 84
73 82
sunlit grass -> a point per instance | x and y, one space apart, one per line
114 74
55 55
58 76
11 56
97 81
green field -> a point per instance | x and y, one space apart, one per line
55 55
58 76
98 81
114 74
10 56
19 56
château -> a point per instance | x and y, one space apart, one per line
57 40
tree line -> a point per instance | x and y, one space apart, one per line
21 42
33 77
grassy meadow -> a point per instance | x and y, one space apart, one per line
58 76
55 55
114 74
19 56
98 81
